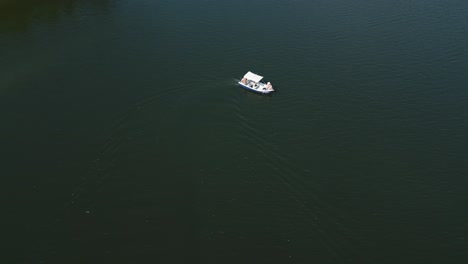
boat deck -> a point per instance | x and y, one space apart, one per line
256 87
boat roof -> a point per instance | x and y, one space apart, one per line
253 77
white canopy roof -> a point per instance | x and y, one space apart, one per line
253 77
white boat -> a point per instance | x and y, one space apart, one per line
252 82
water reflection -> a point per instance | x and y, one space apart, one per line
19 16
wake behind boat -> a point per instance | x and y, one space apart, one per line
252 82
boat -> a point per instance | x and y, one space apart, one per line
252 82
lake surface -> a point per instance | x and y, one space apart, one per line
125 138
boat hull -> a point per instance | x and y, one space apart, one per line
261 90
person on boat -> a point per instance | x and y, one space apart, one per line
244 80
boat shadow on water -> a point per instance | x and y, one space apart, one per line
256 94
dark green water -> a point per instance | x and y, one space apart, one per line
126 140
